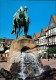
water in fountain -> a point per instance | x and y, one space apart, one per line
22 66
29 66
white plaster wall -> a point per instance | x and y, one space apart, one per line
55 39
49 32
54 30
42 40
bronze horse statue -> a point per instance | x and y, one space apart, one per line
21 19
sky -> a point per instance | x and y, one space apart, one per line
39 13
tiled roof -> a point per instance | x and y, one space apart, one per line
44 30
20 37
37 35
54 17
32 37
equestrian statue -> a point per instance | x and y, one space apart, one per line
20 19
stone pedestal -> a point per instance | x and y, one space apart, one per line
17 47
19 44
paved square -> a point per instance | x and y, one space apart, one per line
51 62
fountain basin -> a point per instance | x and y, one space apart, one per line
23 59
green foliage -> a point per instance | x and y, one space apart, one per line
51 50
55 50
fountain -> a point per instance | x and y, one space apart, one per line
23 59
23 62
30 66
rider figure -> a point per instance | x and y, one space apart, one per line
19 17
25 13
16 15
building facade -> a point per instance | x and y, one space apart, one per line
47 37
51 32
4 47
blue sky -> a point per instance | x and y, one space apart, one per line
39 13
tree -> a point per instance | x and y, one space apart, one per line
55 50
51 50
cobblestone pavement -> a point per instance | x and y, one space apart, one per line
51 62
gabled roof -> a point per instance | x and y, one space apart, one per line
54 17
52 23
37 35
44 30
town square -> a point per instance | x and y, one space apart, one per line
28 40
